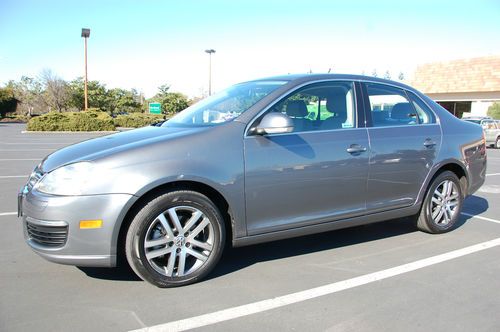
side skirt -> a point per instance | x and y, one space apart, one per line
327 226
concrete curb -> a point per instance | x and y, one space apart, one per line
119 129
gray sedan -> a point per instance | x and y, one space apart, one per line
263 160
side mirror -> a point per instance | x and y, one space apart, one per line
274 123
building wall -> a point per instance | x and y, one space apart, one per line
480 108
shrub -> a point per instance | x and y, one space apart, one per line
92 120
136 120
15 118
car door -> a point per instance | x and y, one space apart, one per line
405 139
316 173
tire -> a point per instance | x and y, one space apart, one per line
497 143
442 204
175 239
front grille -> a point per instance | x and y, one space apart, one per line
49 236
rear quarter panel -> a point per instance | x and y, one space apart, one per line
462 144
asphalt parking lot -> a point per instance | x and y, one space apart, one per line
384 276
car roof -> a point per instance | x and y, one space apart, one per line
305 78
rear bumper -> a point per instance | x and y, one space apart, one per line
52 227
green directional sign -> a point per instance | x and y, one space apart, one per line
155 108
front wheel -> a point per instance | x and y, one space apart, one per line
497 143
175 239
442 204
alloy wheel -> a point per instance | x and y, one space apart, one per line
179 241
444 203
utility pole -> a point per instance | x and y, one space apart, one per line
85 35
210 51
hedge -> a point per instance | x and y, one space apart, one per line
91 120
136 120
15 118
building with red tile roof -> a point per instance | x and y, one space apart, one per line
461 86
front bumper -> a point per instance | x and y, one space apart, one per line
52 226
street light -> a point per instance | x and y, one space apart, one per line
210 51
85 35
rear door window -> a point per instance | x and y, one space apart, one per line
391 106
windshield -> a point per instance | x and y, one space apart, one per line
225 105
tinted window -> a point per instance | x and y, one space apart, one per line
320 106
390 106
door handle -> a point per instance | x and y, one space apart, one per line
429 143
356 149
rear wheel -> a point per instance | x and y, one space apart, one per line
497 143
175 239
442 205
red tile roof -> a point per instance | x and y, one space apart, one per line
467 75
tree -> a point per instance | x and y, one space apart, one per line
124 100
29 92
171 102
494 110
8 101
98 96
401 76
163 89
194 100
174 102
109 100
57 94
387 75
374 73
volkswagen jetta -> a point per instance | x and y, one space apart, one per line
260 161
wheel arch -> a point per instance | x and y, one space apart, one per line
214 195
452 166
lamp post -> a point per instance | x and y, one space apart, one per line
85 35
210 51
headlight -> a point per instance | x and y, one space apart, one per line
70 180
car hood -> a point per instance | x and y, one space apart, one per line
107 145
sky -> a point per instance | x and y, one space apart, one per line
145 44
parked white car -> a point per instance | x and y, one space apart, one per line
491 130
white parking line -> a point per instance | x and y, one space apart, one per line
34 143
20 159
12 176
280 301
8 214
14 150
492 174
480 217
71 133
